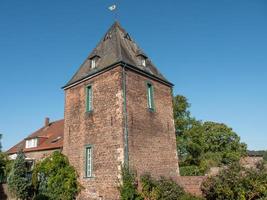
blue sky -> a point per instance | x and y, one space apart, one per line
214 51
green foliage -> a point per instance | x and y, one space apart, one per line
182 118
237 183
5 167
162 189
208 145
19 182
191 170
203 145
54 178
128 188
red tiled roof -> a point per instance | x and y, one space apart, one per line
50 137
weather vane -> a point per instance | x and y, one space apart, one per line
113 8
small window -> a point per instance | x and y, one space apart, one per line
93 63
31 143
143 62
88 161
150 96
89 99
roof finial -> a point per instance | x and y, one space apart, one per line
113 8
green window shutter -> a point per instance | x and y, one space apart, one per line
150 96
88 161
89 98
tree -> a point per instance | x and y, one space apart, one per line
202 145
206 145
5 167
182 116
19 183
237 183
54 178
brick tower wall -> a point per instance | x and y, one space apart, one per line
102 128
152 141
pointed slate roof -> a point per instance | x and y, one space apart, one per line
116 46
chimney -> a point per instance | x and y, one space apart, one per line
46 122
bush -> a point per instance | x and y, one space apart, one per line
19 183
237 183
192 170
128 188
151 189
54 178
162 189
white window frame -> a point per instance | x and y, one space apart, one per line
88 161
31 143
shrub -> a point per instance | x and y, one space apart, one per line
19 183
192 170
162 189
128 187
54 178
236 183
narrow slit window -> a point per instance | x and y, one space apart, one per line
150 96
89 99
88 161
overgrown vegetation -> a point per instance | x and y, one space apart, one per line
128 187
163 189
54 178
202 145
151 189
19 181
237 183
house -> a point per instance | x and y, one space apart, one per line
41 143
118 111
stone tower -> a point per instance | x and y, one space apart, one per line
118 110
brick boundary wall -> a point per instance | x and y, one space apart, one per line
192 184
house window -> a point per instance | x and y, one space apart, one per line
143 62
93 62
31 143
150 96
88 161
89 98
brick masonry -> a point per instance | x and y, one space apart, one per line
191 184
102 128
152 143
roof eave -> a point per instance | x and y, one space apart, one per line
102 70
